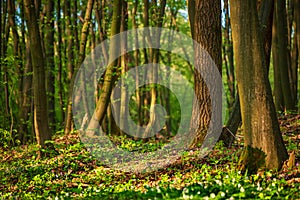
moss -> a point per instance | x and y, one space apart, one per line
251 160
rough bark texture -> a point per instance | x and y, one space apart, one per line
207 32
260 125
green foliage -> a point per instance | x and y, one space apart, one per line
7 139
69 172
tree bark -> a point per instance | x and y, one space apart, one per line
260 125
207 32
265 9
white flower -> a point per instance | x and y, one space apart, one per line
222 194
219 182
242 190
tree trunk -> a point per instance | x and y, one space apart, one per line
83 40
283 52
59 61
207 32
124 58
154 58
260 125
278 96
297 65
266 9
41 125
49 29
106 90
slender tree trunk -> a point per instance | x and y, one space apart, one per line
83 40
297 56
154 58
261 130
70 40
283 64
17 56
136 64
60 81
278 96
103 102
228 56
40 98
49 44
124 59
26 99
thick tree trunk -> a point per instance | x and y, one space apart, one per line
260 125
207 32
266 9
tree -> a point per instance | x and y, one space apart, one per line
265 9
106 90
281 57
49 50
81 56
205 19
41 125
260 125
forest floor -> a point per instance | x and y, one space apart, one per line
69 171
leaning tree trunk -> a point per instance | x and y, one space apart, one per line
41 125
260 125
107 87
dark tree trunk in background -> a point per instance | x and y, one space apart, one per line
281 43
49 48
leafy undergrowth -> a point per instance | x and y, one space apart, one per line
69 171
